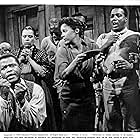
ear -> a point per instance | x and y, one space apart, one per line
77 30
35 38
126 19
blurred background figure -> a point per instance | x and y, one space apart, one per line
5 47
49 45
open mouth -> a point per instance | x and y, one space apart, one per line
115 24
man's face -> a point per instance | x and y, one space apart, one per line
9 69
28 37
117 19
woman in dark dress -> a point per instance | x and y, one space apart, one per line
77 99
36 67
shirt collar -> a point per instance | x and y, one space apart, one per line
121 32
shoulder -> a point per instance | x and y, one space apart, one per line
61 50
88 39
46 39
91 43
34 87
61 43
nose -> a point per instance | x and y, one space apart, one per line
62 35
27 38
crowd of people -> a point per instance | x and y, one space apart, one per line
72 83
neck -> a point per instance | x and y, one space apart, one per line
77 43
118 31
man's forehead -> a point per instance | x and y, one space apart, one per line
117 10
7 60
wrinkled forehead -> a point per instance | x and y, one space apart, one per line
8 60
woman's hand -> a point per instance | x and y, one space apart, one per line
79 58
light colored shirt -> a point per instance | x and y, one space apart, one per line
31 114
49 47
118 53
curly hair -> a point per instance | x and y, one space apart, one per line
73 23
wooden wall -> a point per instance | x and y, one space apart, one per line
97 19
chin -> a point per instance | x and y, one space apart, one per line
117 29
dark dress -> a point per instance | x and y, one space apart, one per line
77 99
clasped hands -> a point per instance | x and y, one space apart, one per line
20 91
25 54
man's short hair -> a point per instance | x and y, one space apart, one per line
121 7
4 56
29 28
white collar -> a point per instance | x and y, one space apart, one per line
121 32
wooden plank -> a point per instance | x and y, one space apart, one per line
41 24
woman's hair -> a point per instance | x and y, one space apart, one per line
73 23
29 28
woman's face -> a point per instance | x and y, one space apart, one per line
68 34
28 37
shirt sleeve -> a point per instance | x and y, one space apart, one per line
33 113
44 43
61 62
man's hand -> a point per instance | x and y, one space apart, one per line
124 64
20 91
4 88
110 40
4 82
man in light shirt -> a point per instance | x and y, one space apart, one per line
23 106
120 84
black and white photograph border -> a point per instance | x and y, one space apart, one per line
94 23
